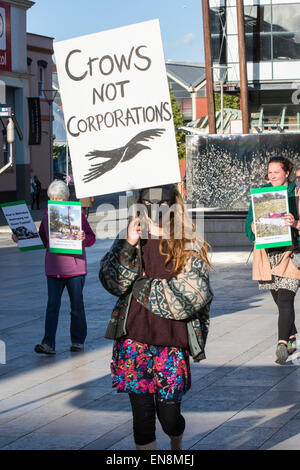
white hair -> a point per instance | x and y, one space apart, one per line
59 190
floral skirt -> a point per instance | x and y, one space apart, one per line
277 282
143 368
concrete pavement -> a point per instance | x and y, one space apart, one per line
240 399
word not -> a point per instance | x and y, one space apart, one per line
107 64
119 117
109 91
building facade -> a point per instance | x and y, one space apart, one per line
272 35
39 59
188 83
25 70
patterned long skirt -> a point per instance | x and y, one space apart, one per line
142 368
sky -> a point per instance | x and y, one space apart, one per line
180 21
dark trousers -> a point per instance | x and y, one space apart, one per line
284 300
78 327
145 407
32 199
35 198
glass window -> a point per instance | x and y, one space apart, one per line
286 17
218 49
41 86
258 47
217 19
257 18
286 46
186 107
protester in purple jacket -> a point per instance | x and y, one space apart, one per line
64 270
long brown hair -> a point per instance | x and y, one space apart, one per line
176 248
179 250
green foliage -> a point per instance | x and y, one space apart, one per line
56 151
229 101
178 122
55 222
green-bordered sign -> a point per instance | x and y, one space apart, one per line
20 221
64 221
269 206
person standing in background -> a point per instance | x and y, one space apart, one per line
37 192
64 270
275 268
32 191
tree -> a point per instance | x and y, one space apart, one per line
178 122
55 221
229 101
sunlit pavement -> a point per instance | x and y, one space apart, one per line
240 399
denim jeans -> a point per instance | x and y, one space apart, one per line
78 327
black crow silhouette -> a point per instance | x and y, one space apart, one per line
122 154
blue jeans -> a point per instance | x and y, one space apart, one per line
78 327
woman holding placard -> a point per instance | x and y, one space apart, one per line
162 315
276 268
64 270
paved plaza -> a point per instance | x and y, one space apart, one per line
240 399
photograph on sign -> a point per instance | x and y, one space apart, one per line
270 204
117 110
64 222
21 224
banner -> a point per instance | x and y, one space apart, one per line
35 131
117 110
269 207
20 221
64 221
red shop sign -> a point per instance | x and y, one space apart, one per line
5 37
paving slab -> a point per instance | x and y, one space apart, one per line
240 399
286 438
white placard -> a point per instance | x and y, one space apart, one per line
270 205
117 110
64 224
20 221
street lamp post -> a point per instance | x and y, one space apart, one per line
50 97
221 80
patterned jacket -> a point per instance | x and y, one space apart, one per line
186 297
